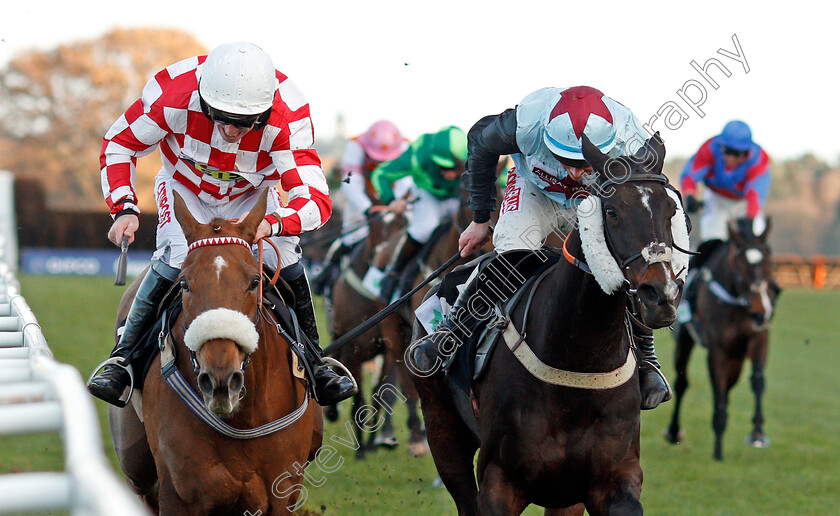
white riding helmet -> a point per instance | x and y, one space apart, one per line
580 109
238 78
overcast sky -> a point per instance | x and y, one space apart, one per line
432 63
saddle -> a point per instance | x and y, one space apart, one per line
341 267
468 362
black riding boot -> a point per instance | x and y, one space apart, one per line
330 388
322 280
497 282
652 382
429 354
407 250
110 383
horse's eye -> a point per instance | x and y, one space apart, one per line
254 284
185 286
611 213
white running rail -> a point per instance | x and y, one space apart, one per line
38 394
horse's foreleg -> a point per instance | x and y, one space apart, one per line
452 444
385 399
171 504
724 372
498 495
620 493
356 413
758 356
673 434
417 445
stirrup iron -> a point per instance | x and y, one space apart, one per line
115 361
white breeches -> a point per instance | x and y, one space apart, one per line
427 213
527 216
718 211
171 243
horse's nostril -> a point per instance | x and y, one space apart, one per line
648 293
236 381
205 383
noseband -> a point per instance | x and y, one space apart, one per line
653 253
171 375
215 241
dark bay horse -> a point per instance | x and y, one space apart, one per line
541 440
735 302
241 374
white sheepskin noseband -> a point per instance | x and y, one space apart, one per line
595 250
679 232
222 323
601 262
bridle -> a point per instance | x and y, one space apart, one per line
739 295
660 248
173 378
216 241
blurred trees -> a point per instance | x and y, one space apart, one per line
56 106
804 202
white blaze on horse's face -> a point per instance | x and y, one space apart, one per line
644 193
753 256
220 264
659 252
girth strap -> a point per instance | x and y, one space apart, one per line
554 376
542 371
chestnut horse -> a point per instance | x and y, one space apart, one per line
735 303
565 435
240 374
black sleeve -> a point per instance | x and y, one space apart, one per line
491 137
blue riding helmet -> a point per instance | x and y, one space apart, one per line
736 135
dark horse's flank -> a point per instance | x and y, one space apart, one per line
735 301
558 446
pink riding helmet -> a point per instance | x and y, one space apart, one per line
383 141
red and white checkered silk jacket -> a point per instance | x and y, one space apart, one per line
169 114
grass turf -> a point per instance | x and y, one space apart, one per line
796 474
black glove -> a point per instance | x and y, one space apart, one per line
692 205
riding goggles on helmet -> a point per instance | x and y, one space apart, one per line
236 120
729 151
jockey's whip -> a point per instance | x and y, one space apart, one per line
122 262
383 210
388 310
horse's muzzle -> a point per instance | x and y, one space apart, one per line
221 395
658 301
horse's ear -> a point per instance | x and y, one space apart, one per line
184 217
768 223
654 153
250 223
592 154
735 232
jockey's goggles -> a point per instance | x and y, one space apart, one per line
239 121
735 153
